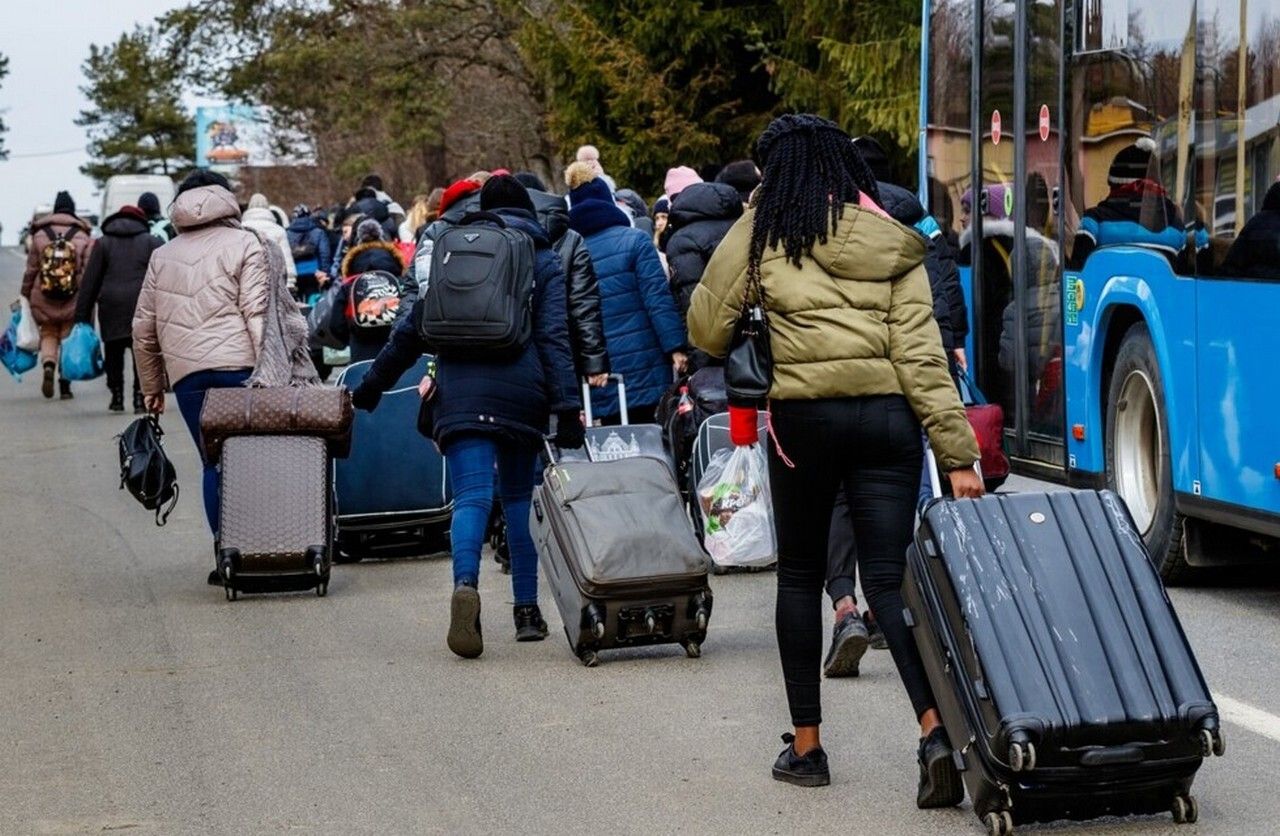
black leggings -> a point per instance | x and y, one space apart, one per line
871 446
113 360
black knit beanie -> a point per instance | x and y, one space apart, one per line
63 204
505 192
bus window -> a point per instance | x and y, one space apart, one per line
1128 142
949 138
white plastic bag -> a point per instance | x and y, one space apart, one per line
737 510
28 331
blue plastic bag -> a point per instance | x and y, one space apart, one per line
15 359
81 354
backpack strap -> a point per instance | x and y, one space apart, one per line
475 217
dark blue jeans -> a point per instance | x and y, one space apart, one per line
189 393
471 462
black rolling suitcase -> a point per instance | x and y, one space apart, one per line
1065 682
619 556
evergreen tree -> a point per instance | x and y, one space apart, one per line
137 123
4 71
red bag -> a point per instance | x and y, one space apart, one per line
987 420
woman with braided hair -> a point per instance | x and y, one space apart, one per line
858 366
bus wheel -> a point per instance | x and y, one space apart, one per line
1138 464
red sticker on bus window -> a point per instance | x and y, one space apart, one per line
995 127
1044 123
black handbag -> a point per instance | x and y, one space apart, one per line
748 369
145 470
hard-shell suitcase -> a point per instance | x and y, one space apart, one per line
275 529
1064 680
619 556
392 492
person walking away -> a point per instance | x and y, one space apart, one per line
157 221
852 632
582 290
202 311
633 204
259 218
642 328
56 258
456 202
857 368
370 250
678 179
112 282
492 409
701 216
309 248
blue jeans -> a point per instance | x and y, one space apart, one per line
471 472
189 393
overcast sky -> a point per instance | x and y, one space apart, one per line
46 44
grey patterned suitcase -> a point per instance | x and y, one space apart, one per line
621 560
275 531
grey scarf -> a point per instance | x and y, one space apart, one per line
284 358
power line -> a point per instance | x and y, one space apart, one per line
77 150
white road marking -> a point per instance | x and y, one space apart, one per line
1246 716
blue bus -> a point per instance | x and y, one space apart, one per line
1108 173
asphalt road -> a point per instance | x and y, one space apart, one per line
133 697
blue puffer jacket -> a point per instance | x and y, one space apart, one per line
304 230
642 326
512 398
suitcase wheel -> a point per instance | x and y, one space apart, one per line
1022 756
701 620
322 589
232 594
692 649
1212 743
1185 809
597 629
589 658
999 824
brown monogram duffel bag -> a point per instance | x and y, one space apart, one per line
282 410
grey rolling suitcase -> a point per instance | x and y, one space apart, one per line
625 441
275 530
619 556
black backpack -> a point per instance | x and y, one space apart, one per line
304 250
478 299
145 470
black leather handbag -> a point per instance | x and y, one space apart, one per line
145 470
748 369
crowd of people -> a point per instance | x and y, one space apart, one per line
862 298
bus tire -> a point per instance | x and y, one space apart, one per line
1137 452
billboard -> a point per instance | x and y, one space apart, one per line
229 136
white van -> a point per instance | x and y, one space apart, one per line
125 189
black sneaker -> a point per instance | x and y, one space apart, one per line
64 390
214 579
530 625
464 622
875 636
848 644
808 770
117 401
940 784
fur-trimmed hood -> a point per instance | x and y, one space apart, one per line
367 249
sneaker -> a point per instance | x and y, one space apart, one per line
46 387
64 390
848 644
940 784
117 401
139 405
875 636
215 578
808 770
464 622
530 625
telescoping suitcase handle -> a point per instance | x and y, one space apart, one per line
935 479
622 399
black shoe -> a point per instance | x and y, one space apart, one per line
46 387
215 578
940 784
464 622
848 644
808 770
530 625
117 400
64 390
139 405
875 636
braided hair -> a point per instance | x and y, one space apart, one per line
811 169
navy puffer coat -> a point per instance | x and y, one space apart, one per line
512 398
700 218
641 324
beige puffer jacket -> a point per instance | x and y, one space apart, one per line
204 299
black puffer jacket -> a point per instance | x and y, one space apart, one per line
113 277
700 217
949 308
586 322
376 209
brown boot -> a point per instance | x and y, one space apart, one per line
46 388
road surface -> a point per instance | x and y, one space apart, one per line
136 698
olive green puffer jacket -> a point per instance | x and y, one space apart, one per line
855 319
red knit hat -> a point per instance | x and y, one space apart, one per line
457 192
133 212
